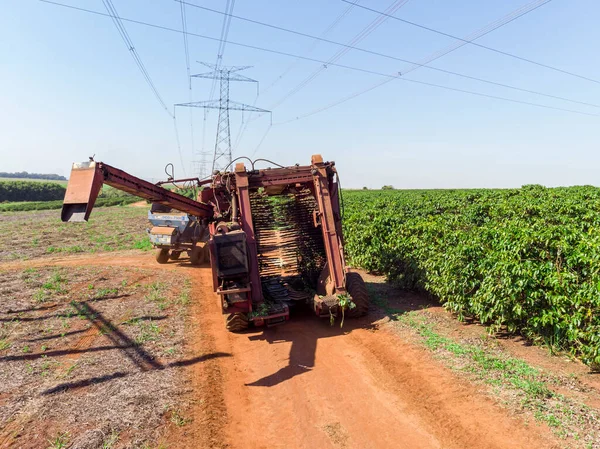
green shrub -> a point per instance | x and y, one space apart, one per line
48 205
30 191
525 260
111 192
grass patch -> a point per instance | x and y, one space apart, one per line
142 244
60 441
109 229
511 377
34 337
183 298
70 369
104 292
178 419
67 249
40 296
54 284
513 381
157 294
111 440
47 363
487 366
147 331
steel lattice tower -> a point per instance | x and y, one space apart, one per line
223 142
222 156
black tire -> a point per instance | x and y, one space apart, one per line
360 296
162 255
175 255
236 322
197 255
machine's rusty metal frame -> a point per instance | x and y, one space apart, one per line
320 177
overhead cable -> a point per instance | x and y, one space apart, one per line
491 27
470 42
388 76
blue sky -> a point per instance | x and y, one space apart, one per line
71 89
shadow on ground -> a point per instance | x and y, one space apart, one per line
304 329
143 360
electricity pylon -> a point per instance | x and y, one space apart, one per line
222 156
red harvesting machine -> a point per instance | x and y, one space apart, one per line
274 235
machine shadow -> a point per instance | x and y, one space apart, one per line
389 300
304 329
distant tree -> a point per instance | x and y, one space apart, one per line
387 187
24 174
365 188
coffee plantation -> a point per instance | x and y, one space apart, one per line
518 260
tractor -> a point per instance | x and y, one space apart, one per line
173 233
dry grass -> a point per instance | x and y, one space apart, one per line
94 354
26 235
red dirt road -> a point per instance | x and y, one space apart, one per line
308 385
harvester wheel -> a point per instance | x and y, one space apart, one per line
358 290
236 322
197 255
162 255
175 255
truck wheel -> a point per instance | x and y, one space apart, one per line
358 290
162 255
197 255
236 322
175 255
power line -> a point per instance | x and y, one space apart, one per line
382 13
222 40
244 125
366 31
185 43
495 97
328 30
177 140
338 102
520 12
261 140
486 30
331 27
314 45
188 70
114 15
498 23
391 77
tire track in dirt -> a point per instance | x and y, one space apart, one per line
209 412
361 390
